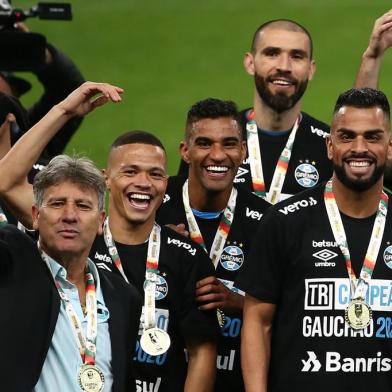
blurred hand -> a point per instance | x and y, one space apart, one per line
21 27
180 229
211 293
381 37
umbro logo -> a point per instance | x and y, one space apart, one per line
240 173
312 364
325 254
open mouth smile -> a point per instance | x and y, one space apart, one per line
139 200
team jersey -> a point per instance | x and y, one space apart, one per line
296 264
181 265
248 212
308 166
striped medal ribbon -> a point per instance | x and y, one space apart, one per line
256 168
90 377
223 228
107 235
220 236
154 340
355 312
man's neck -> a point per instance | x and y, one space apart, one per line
270 120
76 270
208 201
357 204
129 233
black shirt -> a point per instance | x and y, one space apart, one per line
308 166
248 212
181 264
296 264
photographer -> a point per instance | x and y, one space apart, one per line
59 76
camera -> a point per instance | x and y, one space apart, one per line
50 11
21 51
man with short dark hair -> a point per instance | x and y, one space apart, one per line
286 147
136 180
318 278
219 217
75 333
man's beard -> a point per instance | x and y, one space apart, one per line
279 102
358 184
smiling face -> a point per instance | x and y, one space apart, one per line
281 65
136 180
214 152
359 146
68 220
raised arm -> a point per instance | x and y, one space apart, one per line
256 343
380 40
14 167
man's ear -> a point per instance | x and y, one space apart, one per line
312 69
389 151
329 145
102 216
105 175
184 151
35 215
249 63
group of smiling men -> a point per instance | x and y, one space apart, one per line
279 263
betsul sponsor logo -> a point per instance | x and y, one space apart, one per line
388 256
297 205
306 175
102 257
334 362
232 258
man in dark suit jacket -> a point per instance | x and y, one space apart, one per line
43 288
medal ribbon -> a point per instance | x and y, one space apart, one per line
154 244
223 228
358 286
86 345
256 168
107 235
152 262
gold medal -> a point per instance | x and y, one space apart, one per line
155 341
358 314
91 378
221 317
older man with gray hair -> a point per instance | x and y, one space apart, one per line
67 326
